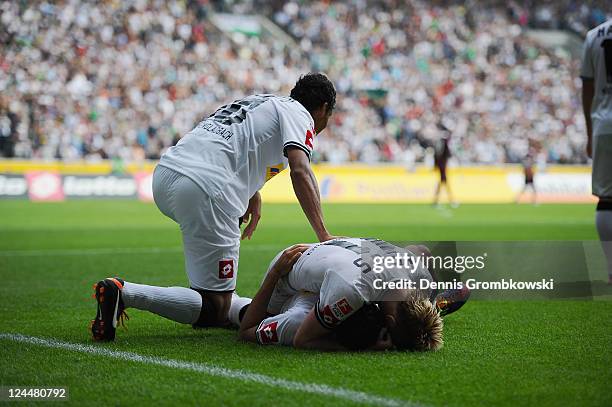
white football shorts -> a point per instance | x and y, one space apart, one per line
602 165
211 238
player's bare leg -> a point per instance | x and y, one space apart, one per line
221 309
442 181
437 194
215 309
451 198
520 195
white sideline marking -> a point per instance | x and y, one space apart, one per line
115 250
243 375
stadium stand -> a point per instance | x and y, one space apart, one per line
124 80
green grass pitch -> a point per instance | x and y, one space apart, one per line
496 353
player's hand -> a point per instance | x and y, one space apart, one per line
252 216
285 262
327 236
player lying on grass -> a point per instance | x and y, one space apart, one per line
208 183
343 312
360 331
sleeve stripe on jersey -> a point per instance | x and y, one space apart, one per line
298 145
320 317
586 77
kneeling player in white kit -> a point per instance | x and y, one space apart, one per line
284 311
208 181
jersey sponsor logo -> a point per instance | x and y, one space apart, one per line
273 170
328 316
267 333
309 139
341 309
226 268
332 315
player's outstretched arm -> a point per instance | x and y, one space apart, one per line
307 191
312 335
257 310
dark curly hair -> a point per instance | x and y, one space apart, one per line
361 330
313 90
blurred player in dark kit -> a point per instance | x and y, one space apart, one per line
529 172
441 156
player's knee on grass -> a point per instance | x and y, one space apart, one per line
215 309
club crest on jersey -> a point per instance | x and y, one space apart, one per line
274 170
226 268
267 333
309 139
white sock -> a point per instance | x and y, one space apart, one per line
603 220
179 304
235 307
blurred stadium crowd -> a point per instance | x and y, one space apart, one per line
126 79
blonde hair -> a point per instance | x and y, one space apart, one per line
418 326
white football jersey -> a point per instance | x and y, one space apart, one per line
597 65
232 153
340 271
281 329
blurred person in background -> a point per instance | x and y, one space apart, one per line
175 65
529 173
8 129
596 74
441 156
